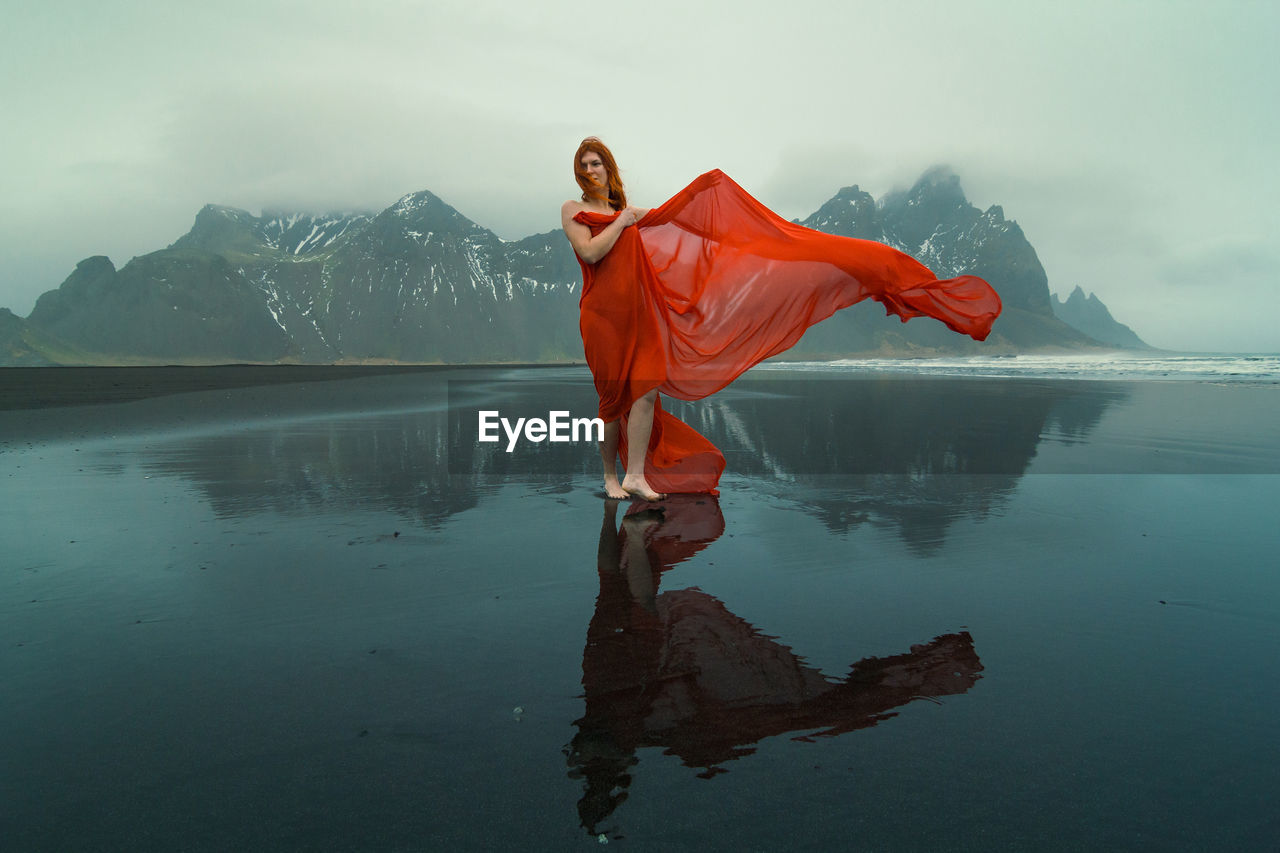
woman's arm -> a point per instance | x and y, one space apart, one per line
592 249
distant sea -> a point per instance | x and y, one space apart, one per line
1226 367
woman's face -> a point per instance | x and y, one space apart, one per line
593 165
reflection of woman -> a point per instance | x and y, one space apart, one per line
718 284
677 670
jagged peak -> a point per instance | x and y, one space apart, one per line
938 181
416 201
848 198
224 210
939 173
1077 296
214 226
95 262
937 184
425 209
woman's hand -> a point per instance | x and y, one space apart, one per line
592 249
631 215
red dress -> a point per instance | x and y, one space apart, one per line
712 283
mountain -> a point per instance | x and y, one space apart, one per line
935 223
25 345
419 282
175 305
14 349
1089 315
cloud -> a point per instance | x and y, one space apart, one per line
1239 262
1117 136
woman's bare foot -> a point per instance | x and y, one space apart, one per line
613 489
639 487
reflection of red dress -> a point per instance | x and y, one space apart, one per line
712 283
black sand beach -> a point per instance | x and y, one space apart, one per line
302 608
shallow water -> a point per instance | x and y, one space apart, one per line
982 614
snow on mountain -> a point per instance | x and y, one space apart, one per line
419 281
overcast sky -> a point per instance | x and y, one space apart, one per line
1134 142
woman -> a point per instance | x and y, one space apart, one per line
603 195
718 284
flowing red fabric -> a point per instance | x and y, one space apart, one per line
712 283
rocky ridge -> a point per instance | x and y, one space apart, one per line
419 282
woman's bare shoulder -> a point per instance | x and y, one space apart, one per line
571 208
568 211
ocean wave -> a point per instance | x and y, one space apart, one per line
1245 367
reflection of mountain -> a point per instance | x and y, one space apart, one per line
391 463
677 670
423 463
915 427
892 443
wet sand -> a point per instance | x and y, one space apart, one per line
41 387
957 614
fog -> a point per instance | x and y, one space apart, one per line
1132 142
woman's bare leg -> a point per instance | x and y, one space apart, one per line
609 456
639 428
634 559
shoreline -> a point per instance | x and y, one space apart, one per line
35 388
26 388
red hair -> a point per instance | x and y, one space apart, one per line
617 197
